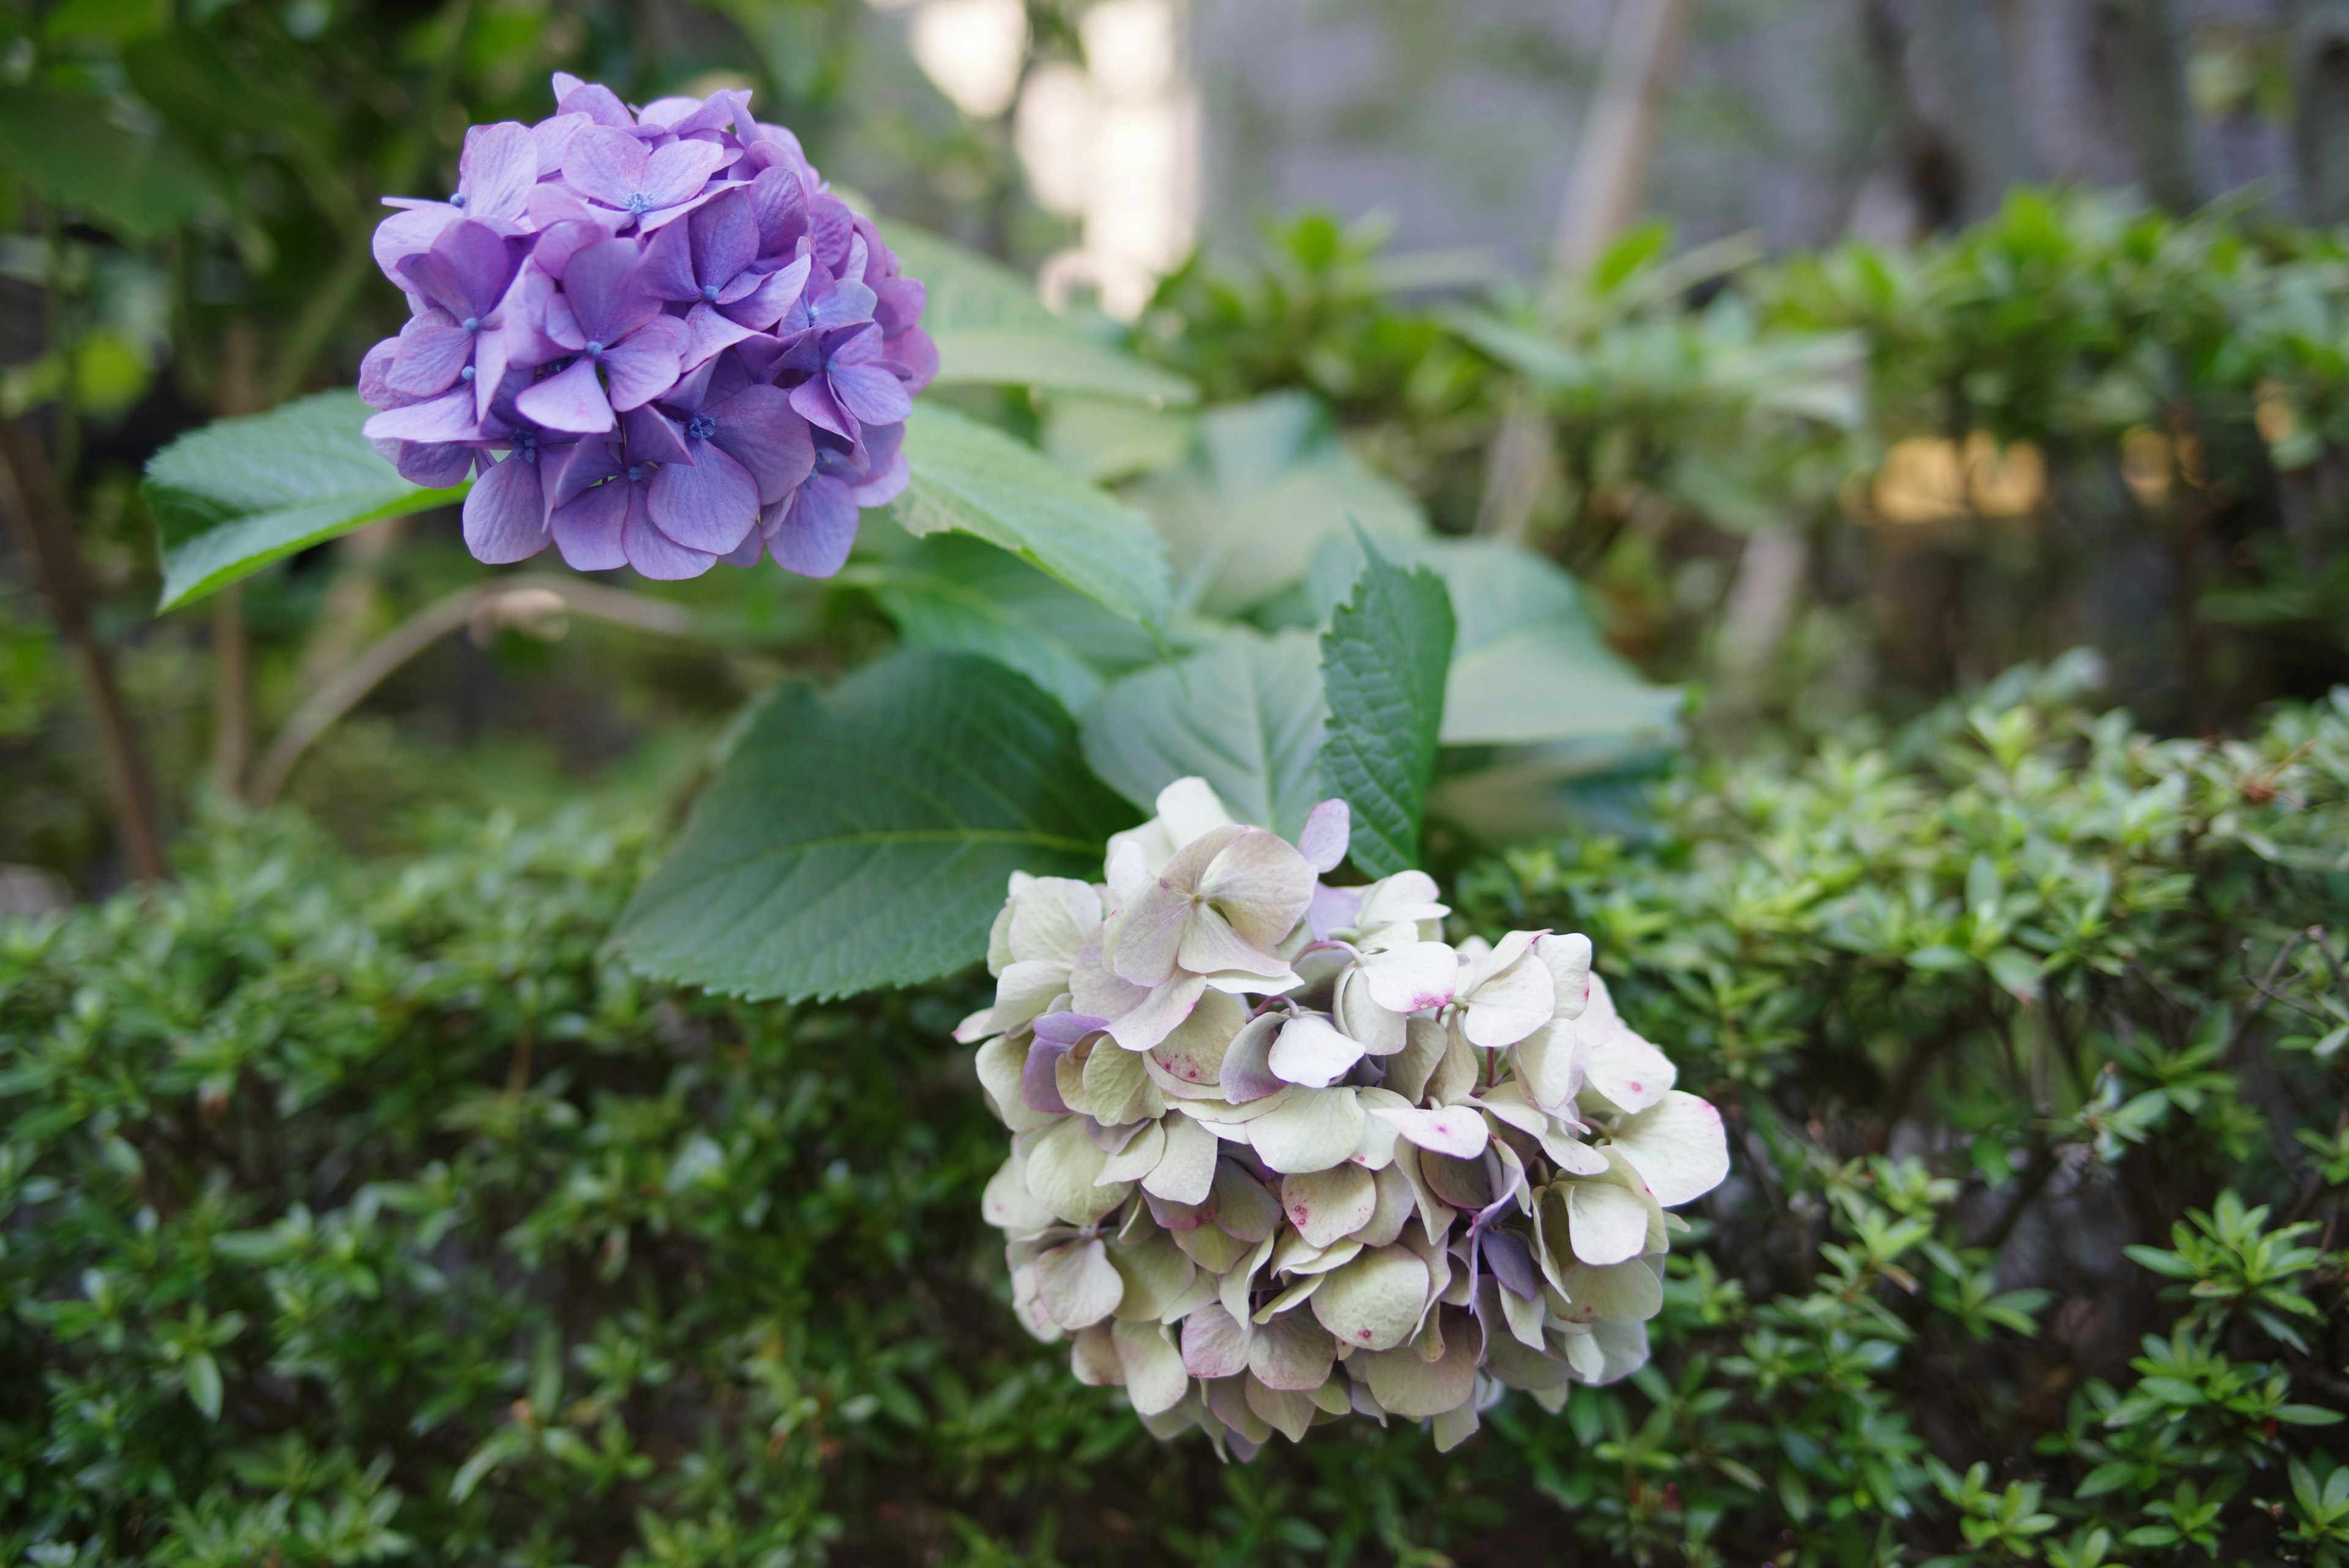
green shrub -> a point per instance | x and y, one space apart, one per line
362 1213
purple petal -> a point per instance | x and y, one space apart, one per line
916 358
887 483
552 203
706 504
664 112
568 473
748 552
1039 1087
593 99
605 295
758 428
653 437
374 369
667 268
499 166
1512 1262
779 202
815 403
448 417
551 139
848 304
606 165
436 465
898 304
677 173
656 556
777 293
587 530
643 365
815 529
409 233
490 350
873 395
725 237
831 226
505 513
572 401
431 352
708 335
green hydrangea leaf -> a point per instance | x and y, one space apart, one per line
971 478
1385 661
237 494
862 836
1245 714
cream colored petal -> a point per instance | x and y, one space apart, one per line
1313 1130
1194 1052
1678 1147
1567 959
1610 1353
1406 1384
1140 1156
1549 1065
1412 978
1093 1358
1062 1167
1292 1353
1409 1070
1185 1172
1376 1149
1394 1204
1615 1292
1261 883
1190 808
1115 1083
1508 1005
1214 1342
1211 1247
1325 1205
1454 1427
1210 946
1405 897
1006 1205
1609 1224
1457 1130
1155 1379
1289 1413
1051 918
1158 1014
998 935
1301 1291
1374 1301
1360 1017
1455 1075
1093 989
1309 1051
1078 1284
1243 1205
1000 1063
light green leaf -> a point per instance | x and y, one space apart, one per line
204 1384
862 836
953 592
1384 664
1268 481
992 328
237 494
970 478
1246 715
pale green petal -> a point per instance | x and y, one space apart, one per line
1140 1156
1211 1247
1406 1384
1214 1342
1187 1172
1314 1130
1007 1204
1609 1224
1301 1291
1050 918
1289 1413
1062 1166
1092 1357
1618 1293
1194 1053
1078 1284
1227 1398
1114 1083
1243 1205
1408 1071
1311 1052
1678 1147
1396 1203
1456 1130
1325 1205
1155 1273
1155 1379
1455 1426
1374 1301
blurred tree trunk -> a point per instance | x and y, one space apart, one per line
2149 74
2320 64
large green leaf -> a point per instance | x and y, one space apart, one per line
992 328
1384 664
1528 665
1245 714
1267 481
67 148
971 478
949 591
862 836
237 494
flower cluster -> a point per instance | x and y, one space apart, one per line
685 349
1279 1153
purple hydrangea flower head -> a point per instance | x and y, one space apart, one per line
655 337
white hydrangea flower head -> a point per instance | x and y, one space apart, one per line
1281 1156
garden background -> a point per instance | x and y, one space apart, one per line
1934 419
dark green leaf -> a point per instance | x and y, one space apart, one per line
970 478
1384 664
66 147
1245 714
862 837
237 494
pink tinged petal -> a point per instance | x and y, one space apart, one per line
1159 1013
446 418
429 359
499 166
1618 1064
757 427
814 402
677 173
587 530
606 165
1457 1130
1311 1051
656 556
709 504
1332 910
777 293
1326 830
708 334
872 394
505 513
1214 1342
605 295
815 536
643 365
572 401
1210 946
1509 1006
1412 978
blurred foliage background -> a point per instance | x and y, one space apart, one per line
358 1211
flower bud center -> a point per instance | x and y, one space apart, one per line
639 472
466 374
595 351
640 204
472 324
525 446
701 427
709 293
458 200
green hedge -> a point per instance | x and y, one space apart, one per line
361 1213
